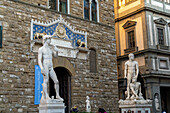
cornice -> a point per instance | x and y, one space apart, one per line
143 52
140 10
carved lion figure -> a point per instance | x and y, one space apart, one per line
80 43
39 35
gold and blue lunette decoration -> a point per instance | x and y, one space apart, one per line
51 29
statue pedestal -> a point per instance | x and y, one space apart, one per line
51 106
135 106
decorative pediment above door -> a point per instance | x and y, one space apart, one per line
69 41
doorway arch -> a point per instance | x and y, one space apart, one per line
64 71
64 62
64 79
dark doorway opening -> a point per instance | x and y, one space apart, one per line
165 99
64 79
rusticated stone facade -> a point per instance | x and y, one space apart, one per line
106 9
17 61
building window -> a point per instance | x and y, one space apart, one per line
52 4
160 29
94 11
91 10
131 39
86 9
0 36
93 68
160 32
63 6
130 36
60 5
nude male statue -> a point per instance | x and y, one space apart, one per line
131 71
45 54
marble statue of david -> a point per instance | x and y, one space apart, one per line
45 55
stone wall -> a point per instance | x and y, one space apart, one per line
17 62
106 9
37 2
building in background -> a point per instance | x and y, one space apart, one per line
89 70
142 27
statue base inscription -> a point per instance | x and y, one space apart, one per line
135 106
51 106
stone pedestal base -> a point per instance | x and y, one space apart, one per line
51 106
135 106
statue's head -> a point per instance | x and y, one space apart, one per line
79 41
47 39
131 56
87 97
156 96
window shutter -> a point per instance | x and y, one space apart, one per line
93 67
0 36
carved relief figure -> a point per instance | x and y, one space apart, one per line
45 54
88 107
131 72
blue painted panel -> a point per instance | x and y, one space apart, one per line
51 29
38 84
38 29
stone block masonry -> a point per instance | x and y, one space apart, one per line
106 9
17 61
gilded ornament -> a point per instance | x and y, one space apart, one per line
61 32
80 43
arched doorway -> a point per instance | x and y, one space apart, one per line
64 79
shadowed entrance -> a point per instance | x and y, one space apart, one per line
64 79
165 99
